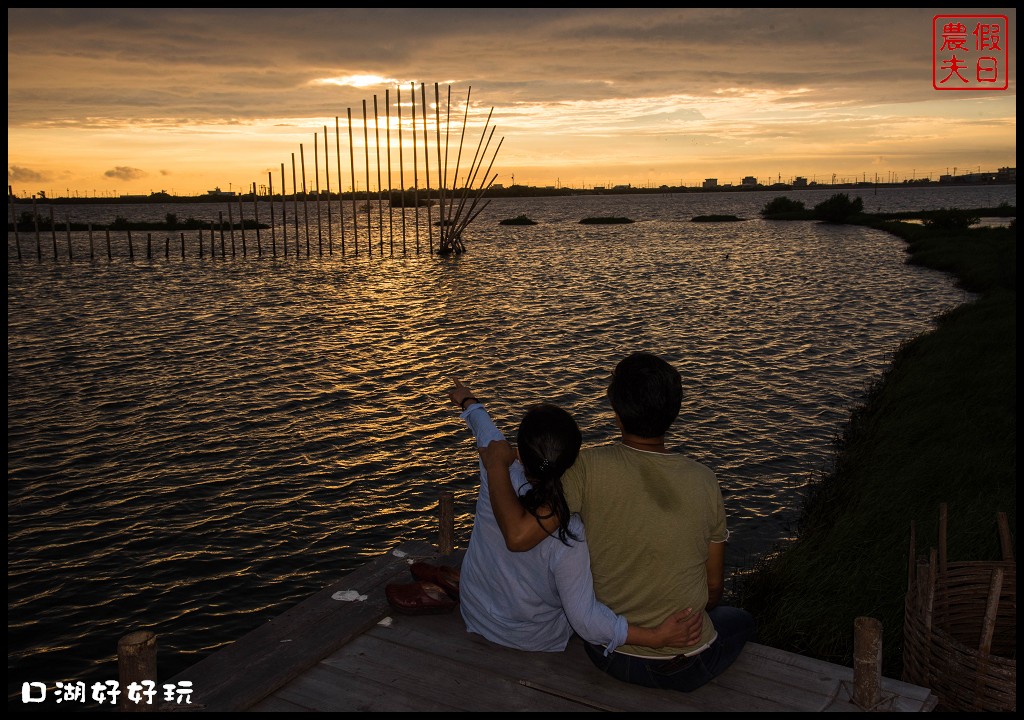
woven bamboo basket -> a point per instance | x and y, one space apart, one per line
960 626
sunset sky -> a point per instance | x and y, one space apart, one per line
111 101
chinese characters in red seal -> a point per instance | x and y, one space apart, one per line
970 52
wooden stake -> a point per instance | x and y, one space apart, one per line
316 186
426 167
305 196
380 193
273 226
415 173
327 178
366 153
341 187
14 221
136 663
391 197
446 523
401 161
352 164
867 662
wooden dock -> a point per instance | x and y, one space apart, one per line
344 649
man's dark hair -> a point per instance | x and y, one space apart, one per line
646 393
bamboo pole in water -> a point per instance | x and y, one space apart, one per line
167 247
316 186
295 205
273 227
92 253
426 167
478 155
213 239
53 233
284 215
380 192
305 195
391 197
14 221
149 246
441 171
341 186
415 173
131 250
110 257
327 178
256 220
182 245
366 153
458 162
231 226
35 222
67 233
352 164
223 253
241 225
401 161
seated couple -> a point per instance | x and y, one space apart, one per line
622 544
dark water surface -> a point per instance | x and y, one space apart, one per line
196 445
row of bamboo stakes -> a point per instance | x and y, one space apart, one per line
457 205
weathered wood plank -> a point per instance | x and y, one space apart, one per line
260 662
329 655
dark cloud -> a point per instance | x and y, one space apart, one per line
17 174
124 173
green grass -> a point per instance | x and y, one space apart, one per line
938 427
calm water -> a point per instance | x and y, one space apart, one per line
196 445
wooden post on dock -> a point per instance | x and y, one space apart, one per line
446 523
136 662
867 662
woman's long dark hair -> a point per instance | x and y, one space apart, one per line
549 441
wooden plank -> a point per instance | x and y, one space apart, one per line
329 655
569 673
327 689
435 682
259 663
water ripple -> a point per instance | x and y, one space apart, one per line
195 445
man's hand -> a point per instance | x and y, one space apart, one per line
498 454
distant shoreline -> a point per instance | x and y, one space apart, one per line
513 191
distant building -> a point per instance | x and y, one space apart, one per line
750 181
710 183
800 182
218 191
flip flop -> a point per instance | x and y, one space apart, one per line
444 575
418 598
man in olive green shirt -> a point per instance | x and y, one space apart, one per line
656 524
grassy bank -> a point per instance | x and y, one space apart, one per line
938 427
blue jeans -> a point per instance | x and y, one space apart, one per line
735 627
